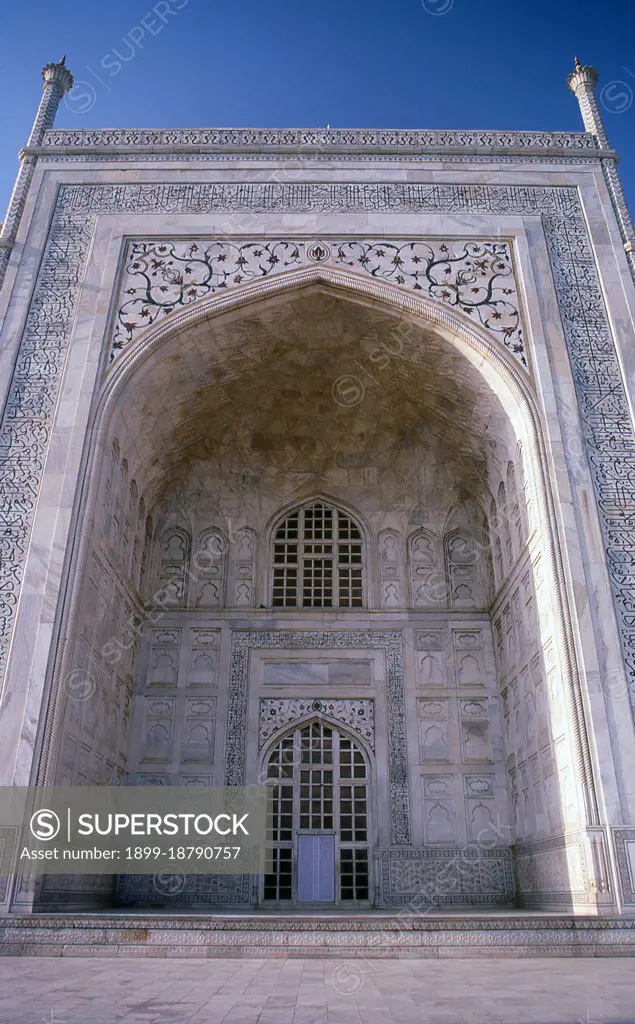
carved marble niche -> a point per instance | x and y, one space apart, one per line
439 810
163 666
430 658
174 558
434 731
209 570
469 657
428 585
198 736
243 551
158 729
390 564
203 657
462 570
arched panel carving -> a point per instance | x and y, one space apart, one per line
497 547
120 496
516 524
146 553
174 556
130 531
390 568
505 527
427 585
243 575
209 571
461 557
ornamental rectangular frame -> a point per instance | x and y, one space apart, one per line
238 701
466 869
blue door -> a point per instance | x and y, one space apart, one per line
316 868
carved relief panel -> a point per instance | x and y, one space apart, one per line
439 810
158 726
462 571
427 583
244 557
430 659
209 571
468 658
163 662
481 812
434 730
390 565
198 731
203 657
174 557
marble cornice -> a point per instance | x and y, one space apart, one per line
311 141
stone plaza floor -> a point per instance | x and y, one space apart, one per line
40 990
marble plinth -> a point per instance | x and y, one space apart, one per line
340 936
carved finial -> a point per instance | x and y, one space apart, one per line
58 72
582 76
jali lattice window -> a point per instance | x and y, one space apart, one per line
317 560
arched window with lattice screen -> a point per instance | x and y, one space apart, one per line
318 559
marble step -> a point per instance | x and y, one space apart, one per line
341 936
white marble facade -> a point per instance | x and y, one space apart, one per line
413 334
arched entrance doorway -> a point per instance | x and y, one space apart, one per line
203 435
318 840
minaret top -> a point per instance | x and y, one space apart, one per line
582 74
58 73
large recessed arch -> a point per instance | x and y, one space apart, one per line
175 338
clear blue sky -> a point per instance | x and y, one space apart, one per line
347 63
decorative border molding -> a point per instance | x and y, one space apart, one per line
475 276
34 389
390 643
357 716
215 156
307 140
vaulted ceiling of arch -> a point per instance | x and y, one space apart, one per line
300 385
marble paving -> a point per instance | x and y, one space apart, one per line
129 991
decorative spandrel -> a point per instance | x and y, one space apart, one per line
276 713
475 278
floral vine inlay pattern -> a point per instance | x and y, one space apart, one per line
477 278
